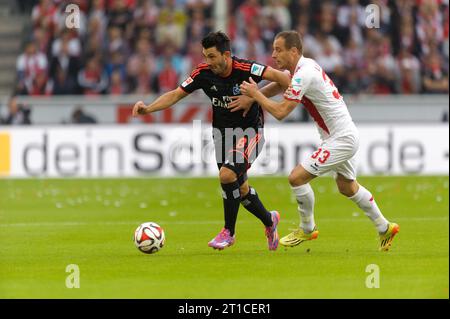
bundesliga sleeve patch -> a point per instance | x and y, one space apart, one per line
188 81
257 69
292 93
296 86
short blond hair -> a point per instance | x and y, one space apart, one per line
292 39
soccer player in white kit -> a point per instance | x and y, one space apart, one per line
311 86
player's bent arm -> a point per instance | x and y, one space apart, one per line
268 90
243 102
279 110
165 101
271 89
279 83
281 78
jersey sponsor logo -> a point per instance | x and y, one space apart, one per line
213 88
257 69
236 90
223 103
188 81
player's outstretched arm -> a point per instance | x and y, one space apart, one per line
163 102
278 109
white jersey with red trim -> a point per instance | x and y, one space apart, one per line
311 86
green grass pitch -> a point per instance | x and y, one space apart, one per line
47 224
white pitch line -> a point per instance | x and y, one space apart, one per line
51 224
205 222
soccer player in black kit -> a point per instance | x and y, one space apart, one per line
238 137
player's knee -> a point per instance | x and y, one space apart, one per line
343 190
347 189
227 176
299 176
244 189
295 179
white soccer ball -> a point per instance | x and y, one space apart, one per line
149 237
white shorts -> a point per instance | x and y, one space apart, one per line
335 156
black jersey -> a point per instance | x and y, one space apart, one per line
219 89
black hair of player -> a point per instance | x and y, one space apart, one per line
217 39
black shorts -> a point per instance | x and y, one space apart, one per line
237 151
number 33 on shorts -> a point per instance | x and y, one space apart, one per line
321 154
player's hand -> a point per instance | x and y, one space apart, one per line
139 109
249 88
240 102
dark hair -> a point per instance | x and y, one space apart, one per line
217 39
291 39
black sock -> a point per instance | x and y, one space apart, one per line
253 204
231 201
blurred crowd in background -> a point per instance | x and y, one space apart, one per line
150 46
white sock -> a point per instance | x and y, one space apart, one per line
364 199
305 199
